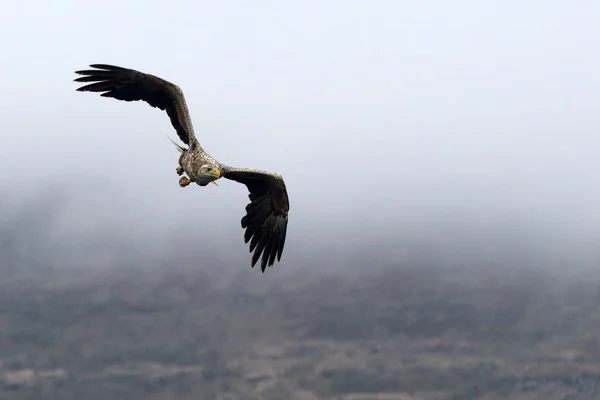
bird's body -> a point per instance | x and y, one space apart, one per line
192 161
266 218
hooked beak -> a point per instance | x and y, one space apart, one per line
216 173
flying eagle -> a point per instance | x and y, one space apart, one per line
266 218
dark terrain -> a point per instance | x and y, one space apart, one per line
402 332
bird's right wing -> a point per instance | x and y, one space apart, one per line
131 85
266 216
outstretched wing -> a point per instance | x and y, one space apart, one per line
131 85
267 214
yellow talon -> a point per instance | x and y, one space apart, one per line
179 170
184 181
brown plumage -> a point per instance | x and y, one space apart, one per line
266 218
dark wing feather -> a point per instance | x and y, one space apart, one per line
131 85
266 215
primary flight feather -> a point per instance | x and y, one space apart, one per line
266 218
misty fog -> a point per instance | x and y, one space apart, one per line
464 133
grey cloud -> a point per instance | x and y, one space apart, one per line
388 121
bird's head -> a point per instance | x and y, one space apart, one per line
208 173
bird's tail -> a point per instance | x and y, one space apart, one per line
179 148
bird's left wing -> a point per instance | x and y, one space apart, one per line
266 216
130 85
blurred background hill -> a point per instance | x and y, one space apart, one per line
145 326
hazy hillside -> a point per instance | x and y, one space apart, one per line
408 333
94 315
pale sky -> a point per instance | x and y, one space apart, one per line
387 119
